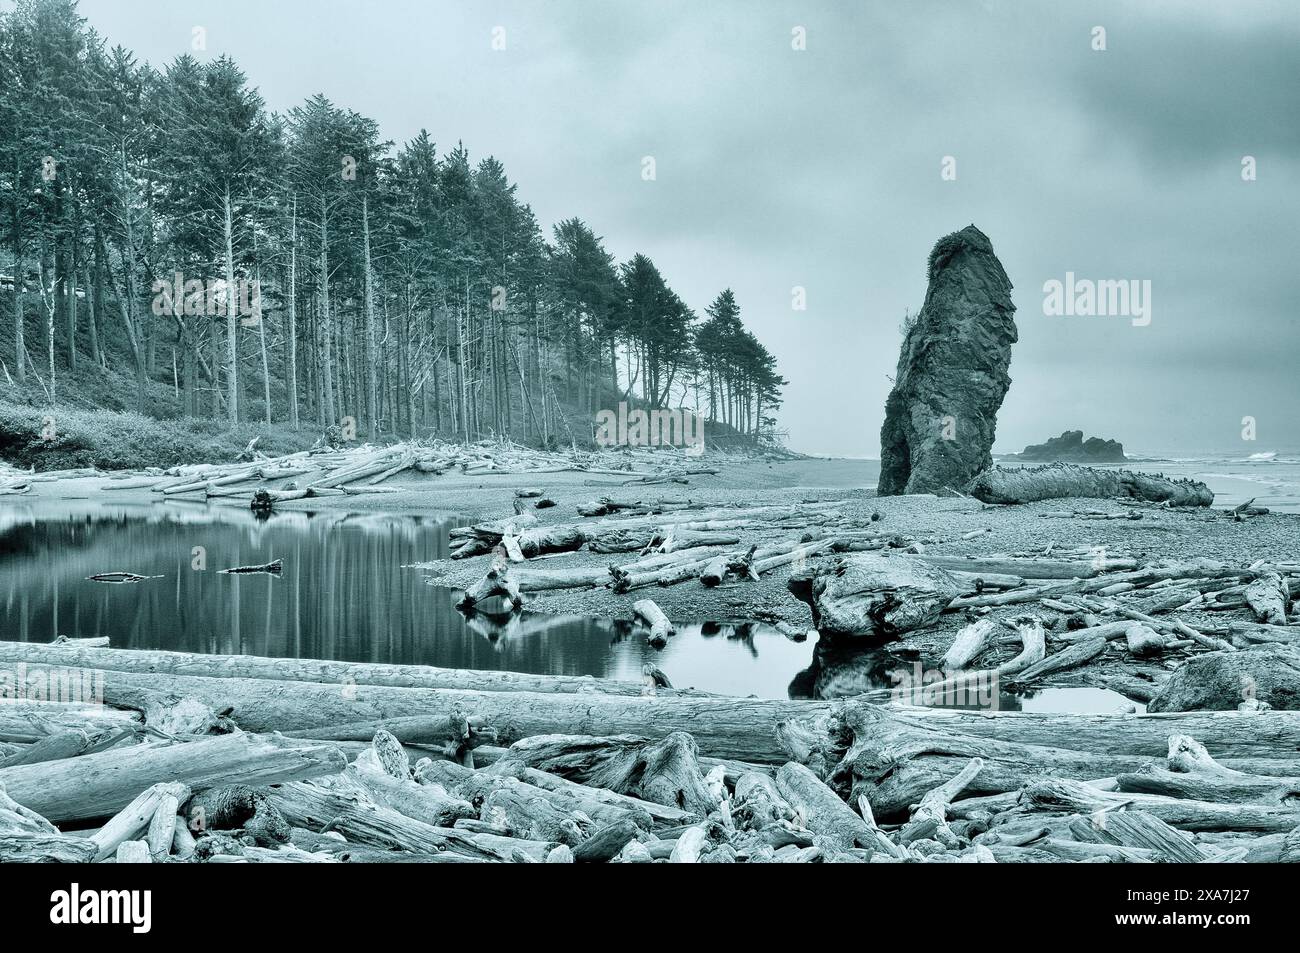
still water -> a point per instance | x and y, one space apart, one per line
348 591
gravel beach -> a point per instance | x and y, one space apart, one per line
939 524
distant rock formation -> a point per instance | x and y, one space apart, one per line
1070 447
952 372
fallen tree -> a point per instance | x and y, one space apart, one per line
1061 480
740 728
307 670
96 785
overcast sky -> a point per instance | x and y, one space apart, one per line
821 168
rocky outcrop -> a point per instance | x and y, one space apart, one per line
1070 447
952 372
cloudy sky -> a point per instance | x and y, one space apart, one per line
821 168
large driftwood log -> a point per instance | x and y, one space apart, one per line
37 847
1055 794
1029 568
970 643
1233 736
894 758
864 593
1059 480
821 809
601 806
1190 772
309 670
97 785
430 803
1139 831
660 627
498 581
26 722
590 797
66 744
744 729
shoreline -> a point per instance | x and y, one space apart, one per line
412 762
940 526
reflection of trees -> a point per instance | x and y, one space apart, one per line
348 591
742 633
501 627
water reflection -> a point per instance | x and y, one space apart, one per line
843 668
346 592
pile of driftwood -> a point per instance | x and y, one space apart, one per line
857 578
331 471
228 759
15 482
1147 620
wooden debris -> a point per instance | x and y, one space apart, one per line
863 593
653 616
1058 480
120 578
273 568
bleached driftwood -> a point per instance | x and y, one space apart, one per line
97 785
654 618
1060 480
864 593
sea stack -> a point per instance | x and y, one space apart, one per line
952 373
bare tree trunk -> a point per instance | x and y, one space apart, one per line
51 308
232 349
327 415
261 327
372 359
126 307
20 348
95 298
464 376
291 332
73 254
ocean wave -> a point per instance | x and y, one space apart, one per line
1271 482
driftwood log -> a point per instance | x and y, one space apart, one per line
740 728
1061 480
306 670
864 593
96 785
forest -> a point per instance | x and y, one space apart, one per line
404 289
